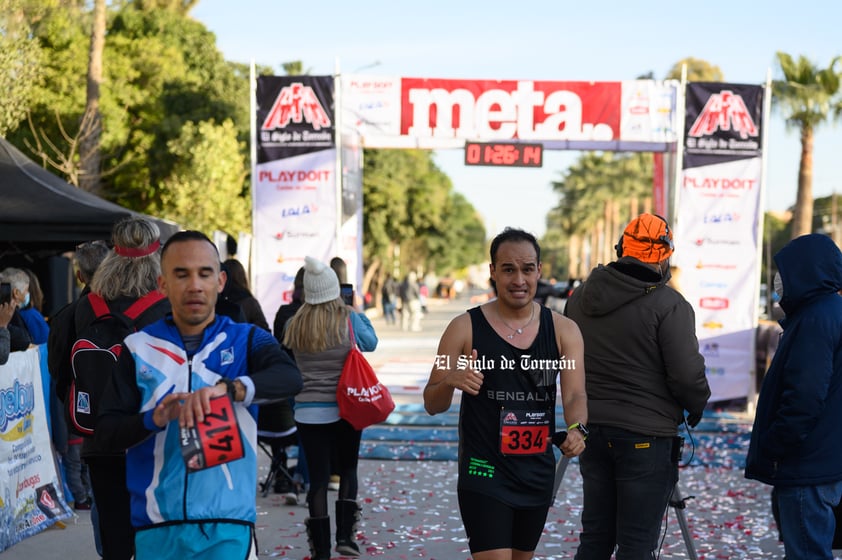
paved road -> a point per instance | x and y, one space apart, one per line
410 508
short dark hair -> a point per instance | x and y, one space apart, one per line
340 268
513 235
188 235
89 256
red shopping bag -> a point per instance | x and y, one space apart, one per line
362 399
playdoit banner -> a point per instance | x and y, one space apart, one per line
294 182
30 495
716 234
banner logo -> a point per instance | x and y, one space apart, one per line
528 110
296 103
713 303
725 111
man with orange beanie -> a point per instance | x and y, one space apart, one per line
643 371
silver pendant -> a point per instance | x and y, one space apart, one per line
510 337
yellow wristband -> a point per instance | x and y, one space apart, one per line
580 427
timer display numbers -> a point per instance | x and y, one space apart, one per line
504 154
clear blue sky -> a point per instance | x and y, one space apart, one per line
544 40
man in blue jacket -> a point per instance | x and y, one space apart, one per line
796 442
166 376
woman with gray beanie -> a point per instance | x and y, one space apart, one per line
320 338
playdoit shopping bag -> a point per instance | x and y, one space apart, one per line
362 399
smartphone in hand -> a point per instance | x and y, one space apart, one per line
5 293
346 291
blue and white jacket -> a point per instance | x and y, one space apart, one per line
154 363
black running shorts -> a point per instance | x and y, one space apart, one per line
490 524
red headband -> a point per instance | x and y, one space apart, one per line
136 252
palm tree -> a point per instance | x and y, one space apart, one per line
596 195
807 97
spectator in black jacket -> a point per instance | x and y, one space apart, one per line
643 369
237 290
128 272
87 258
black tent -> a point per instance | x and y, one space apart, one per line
42 215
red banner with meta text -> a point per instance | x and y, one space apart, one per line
522 109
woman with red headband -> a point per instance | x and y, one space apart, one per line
128 276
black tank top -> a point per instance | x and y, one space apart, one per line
504 450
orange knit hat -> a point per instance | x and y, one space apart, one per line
648 238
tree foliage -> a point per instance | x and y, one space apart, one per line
412 211
600 192
204 190
597 195
164 90
161 71
20 64
698 70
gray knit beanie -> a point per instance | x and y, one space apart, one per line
320 282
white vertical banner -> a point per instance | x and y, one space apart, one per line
295 216
294 183
717 225
716 252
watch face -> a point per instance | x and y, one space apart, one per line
584 429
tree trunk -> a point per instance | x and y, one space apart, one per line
368 276
802 218
616 229
90 130
607 231
574 257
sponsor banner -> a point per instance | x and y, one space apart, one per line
727 365
437 113
294 196
723 120
716 252
295 115
295 216
31 498
648 111
371 107
716 231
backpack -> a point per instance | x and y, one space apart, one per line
94 355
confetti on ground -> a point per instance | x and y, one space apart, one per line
410 508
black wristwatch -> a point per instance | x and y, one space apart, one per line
229 387
583 429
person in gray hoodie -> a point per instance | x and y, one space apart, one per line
643 371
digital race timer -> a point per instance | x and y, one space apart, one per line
506 154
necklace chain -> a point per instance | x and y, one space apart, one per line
518 330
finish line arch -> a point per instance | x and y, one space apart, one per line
310 132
